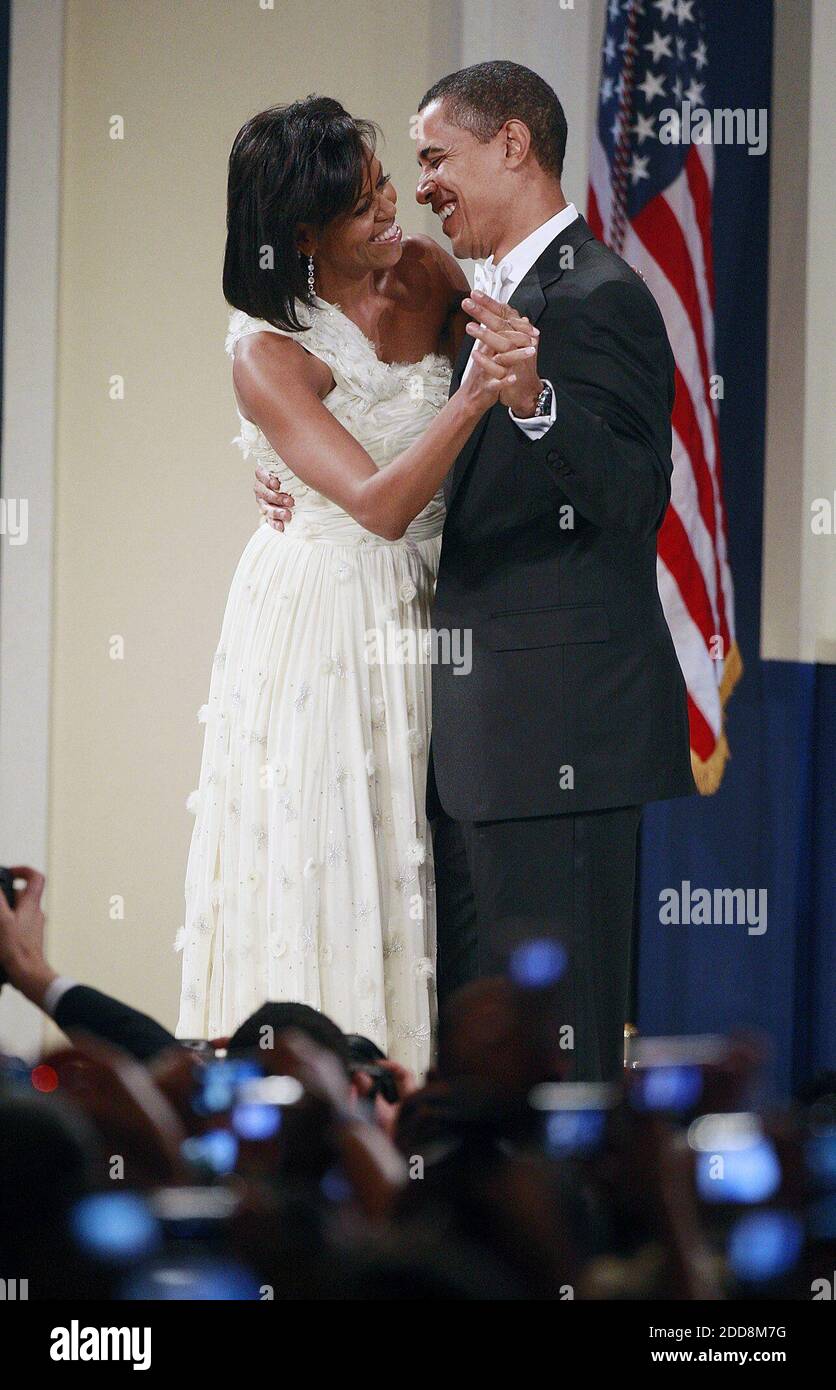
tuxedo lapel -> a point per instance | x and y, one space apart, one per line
528 298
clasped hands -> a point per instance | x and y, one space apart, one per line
512 341
506 336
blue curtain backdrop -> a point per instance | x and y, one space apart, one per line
773 823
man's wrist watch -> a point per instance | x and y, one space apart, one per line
544 401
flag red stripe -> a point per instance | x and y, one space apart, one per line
701 195
660 232
700 190
687 427
658 228
674 544
593 215
703 738
674 547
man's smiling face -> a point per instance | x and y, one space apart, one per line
462 179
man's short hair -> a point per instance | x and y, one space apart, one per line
279 1016
483 97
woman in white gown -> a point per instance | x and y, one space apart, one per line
310 874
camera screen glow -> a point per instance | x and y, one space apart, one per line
115 1226
675 1088
538 964
218 1150
256 1121
574 1131
764 1245
750 1174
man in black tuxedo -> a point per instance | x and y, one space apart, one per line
574 713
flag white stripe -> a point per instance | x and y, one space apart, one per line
599 177
677 322
684 342
679 200
700 672
685 499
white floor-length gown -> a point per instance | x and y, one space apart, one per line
310 871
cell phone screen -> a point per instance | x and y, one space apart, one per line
219 1084
748 1174
673 1089
573 1118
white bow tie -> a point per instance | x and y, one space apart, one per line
492 279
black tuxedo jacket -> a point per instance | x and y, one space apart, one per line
575 701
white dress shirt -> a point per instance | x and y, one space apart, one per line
500 281
55 993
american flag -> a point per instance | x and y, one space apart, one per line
650 199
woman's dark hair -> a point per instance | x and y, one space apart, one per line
303 163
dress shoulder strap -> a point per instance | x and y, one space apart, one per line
242 325
337 341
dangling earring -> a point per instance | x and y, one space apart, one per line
311 281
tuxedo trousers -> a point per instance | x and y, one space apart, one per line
569 878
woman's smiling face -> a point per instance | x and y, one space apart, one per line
368 238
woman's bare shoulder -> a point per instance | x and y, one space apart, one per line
432 277
264 360
423 253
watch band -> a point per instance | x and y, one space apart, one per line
544 401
